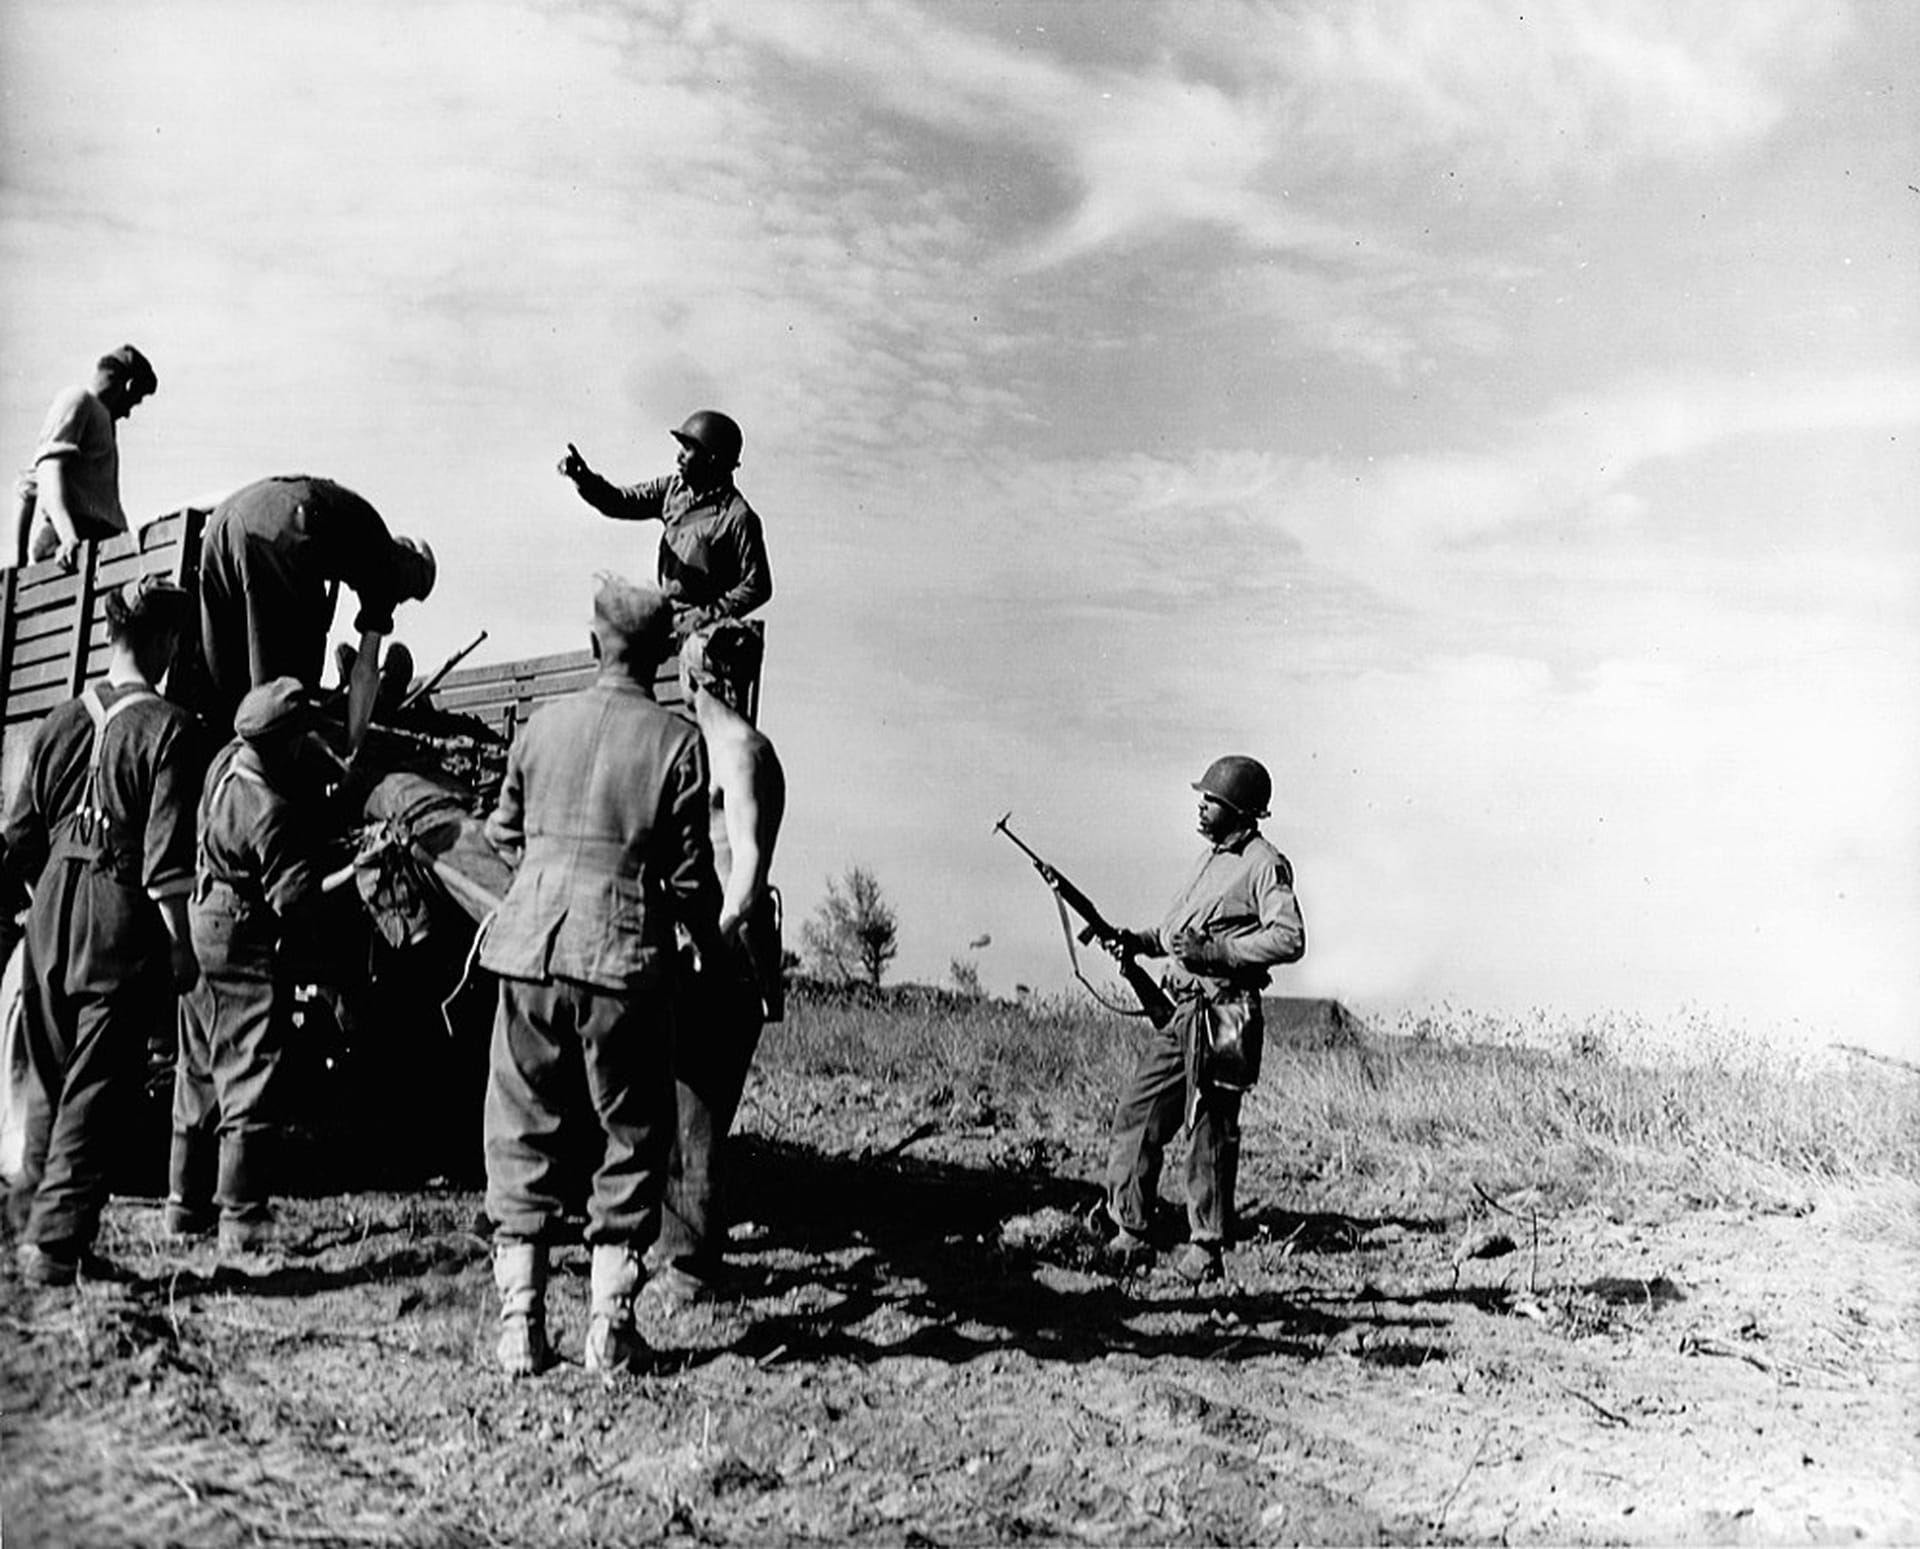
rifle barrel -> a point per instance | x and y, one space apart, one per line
446 667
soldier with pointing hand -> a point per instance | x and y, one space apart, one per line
713 558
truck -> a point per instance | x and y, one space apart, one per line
390 1043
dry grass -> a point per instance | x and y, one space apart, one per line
1566 1111
1030 1048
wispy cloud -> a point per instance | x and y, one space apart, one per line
1384 388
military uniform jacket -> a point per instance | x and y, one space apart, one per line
713 553
102 827
605 804
1241 897
259 866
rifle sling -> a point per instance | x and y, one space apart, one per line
1073 956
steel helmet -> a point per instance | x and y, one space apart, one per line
713 433
1242 783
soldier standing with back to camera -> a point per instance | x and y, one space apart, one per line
256 898
1235 918
102 828
603 809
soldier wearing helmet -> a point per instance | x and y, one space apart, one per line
713 557
1234 919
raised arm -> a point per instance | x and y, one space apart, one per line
638 503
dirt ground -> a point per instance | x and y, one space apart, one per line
924 1351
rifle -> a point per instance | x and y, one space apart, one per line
446 667
1154 1004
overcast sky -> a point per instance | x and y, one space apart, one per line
1503 420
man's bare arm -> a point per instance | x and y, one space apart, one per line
51 478
753 791
363 688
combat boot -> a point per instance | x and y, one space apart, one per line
613 1344
520 1276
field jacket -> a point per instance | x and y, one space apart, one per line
258 872
604 806
1241 897
713 555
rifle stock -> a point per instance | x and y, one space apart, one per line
1154 1004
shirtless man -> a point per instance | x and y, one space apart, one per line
722 1010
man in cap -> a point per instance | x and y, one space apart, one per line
731 996
1235 918
71 493
257 889
603 808
713 558
273 557
102 829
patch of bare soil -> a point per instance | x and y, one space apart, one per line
924 1349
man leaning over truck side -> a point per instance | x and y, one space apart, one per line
1234 919
729 998
604 809
713 555
271 562
71 494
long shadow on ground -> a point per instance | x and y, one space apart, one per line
908 1257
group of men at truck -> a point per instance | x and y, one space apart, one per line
635 948
642 840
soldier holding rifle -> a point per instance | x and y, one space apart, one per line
1235 918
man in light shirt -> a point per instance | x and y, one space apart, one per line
71 494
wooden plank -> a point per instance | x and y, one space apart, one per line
77 674
186 548
526 667
54 592
53 637
48 624
33 703
50 669
43 647
9 593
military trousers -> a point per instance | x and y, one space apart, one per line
1150 1113
716 1032
233 1034
566 1054
88 1008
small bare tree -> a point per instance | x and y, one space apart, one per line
965 973
853 935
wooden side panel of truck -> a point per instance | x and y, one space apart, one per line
53 642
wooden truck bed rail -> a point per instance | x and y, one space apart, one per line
53 642
53 624
502 696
